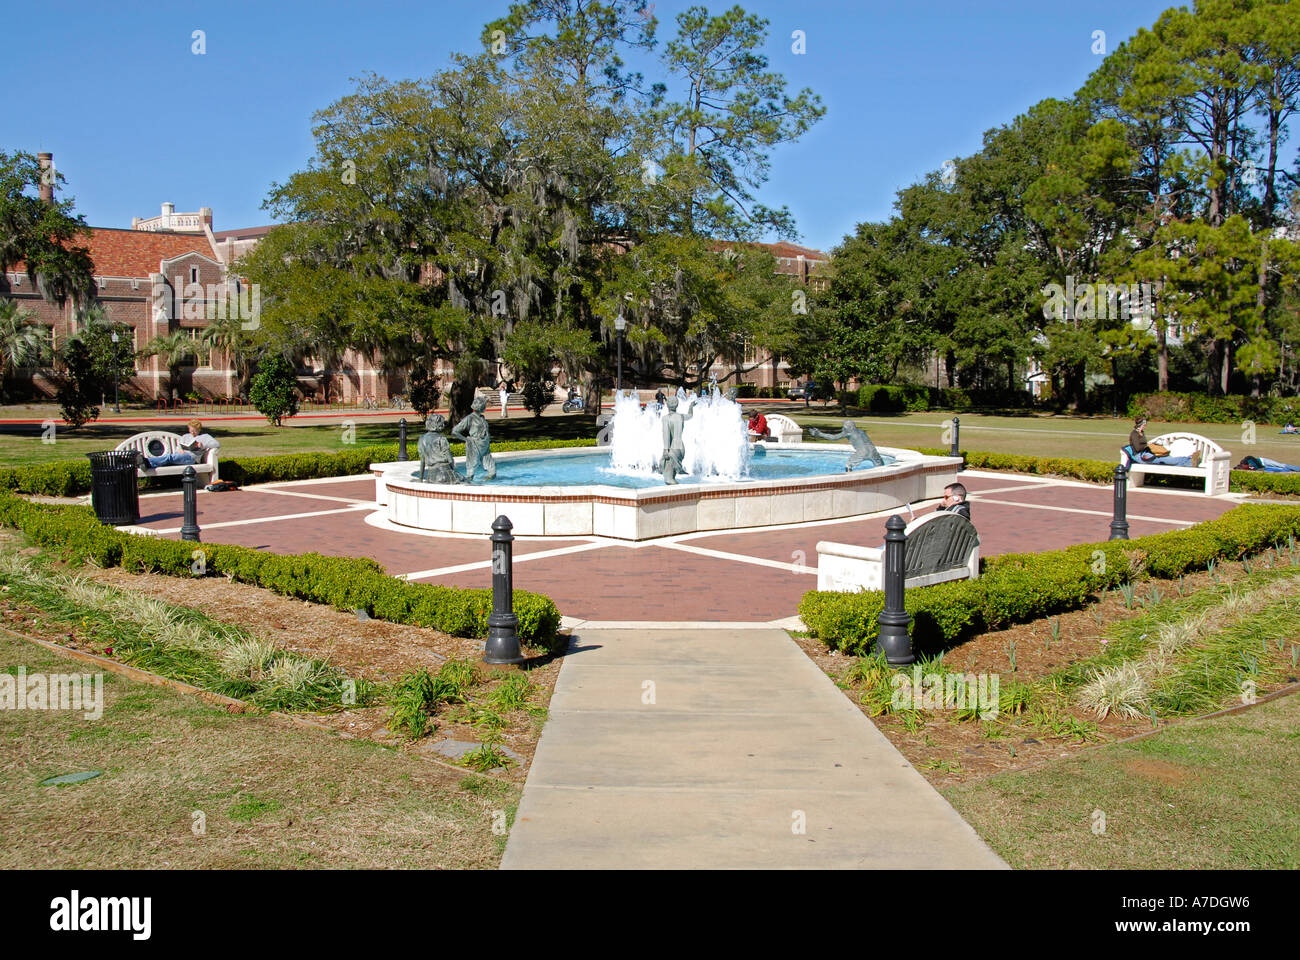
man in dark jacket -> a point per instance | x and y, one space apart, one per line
954 500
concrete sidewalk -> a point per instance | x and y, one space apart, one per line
709 749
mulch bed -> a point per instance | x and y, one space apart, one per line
948 751
373 649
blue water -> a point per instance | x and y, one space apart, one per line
592 468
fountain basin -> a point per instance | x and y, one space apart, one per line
605 509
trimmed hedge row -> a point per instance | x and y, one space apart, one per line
1103 471
345 583
68 478
1016 588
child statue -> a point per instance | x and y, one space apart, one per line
478 450
435 452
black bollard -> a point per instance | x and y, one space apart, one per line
190 486
503 626
893 638
956 432
401 439
1119 525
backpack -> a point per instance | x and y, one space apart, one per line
1249 463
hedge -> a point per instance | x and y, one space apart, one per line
68 478
1203 408
346 583
1016 588
1103 471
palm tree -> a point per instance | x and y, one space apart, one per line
229 335
22 343
171 349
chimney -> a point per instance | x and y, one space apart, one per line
46 161
205 214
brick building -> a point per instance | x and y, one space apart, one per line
170 273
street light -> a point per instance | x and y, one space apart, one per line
620 324
116 406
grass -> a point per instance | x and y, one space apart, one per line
177 642
20 444
188 786
1208 794
1094 438
1041 435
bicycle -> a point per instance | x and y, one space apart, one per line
398 402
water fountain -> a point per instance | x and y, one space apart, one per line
713 479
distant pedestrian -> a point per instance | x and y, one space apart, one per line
505 399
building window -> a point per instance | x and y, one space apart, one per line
202 356
194 274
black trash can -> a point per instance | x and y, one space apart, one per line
113 489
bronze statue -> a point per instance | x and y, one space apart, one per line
478 448
435 452
863 448
674 448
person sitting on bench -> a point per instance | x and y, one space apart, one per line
195 445
1147 453
954 500
758 429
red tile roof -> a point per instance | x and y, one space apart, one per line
137 253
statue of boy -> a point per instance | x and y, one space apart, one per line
435 452
863 448
474 431
674 448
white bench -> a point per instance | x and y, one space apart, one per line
1215 466
207 464
941 546
783 429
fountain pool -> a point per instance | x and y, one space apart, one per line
576 492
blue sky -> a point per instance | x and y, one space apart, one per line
134 118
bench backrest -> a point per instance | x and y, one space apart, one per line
779 425
938 542
171 444
1204 444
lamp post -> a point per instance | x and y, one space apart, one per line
117 408
620 324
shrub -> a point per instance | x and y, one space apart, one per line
346 583
274 389
1204 408
1016 588
424 392
538 395
79 393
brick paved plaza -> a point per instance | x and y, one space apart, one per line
752 576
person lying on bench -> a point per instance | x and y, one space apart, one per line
1147 453
195 445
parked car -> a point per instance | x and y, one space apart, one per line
811 391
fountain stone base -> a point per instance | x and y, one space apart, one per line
624 513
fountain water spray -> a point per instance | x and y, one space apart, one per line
715 437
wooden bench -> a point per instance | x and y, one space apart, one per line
941 546
207 464
783 429
1215 466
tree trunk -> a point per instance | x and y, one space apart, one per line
1226 370
460 397
1162 358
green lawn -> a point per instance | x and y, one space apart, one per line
22 443
1207 794
1093 438
1097 438
265 794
